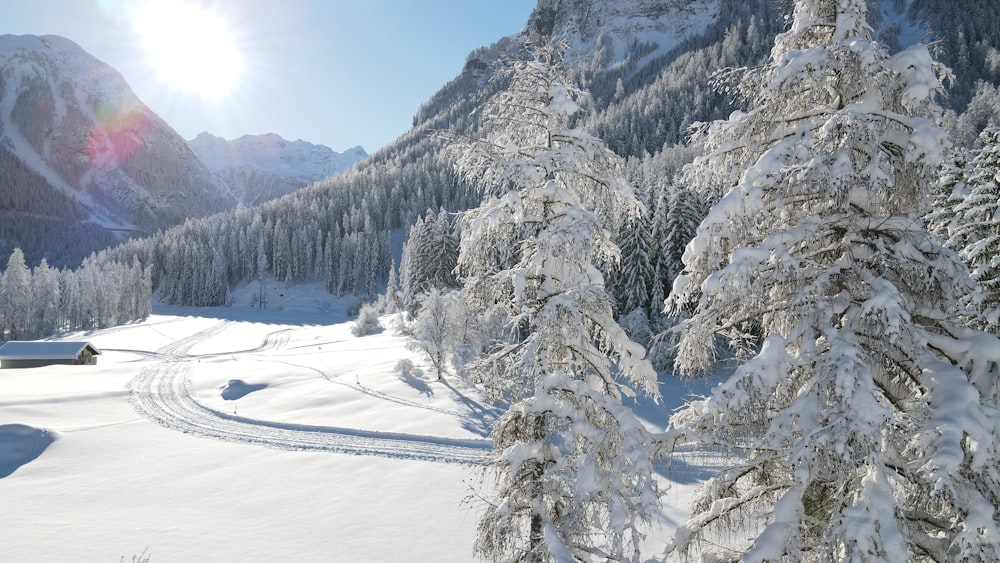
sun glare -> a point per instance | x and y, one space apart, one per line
190 48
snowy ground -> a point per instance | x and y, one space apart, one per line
240 435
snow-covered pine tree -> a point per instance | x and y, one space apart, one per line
633 278
15 298
45 299
444 258
678 213
864 414
948 192
411 266
572 465
429 258
658 230
976 229
393 295
684 213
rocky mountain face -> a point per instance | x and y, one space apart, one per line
84 160
258 168
607 32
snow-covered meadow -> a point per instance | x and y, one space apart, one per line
233 434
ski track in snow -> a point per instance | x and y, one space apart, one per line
161 392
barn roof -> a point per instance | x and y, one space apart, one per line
16 350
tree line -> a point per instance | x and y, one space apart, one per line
41 301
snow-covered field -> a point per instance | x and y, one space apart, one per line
239 435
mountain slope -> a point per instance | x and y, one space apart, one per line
85 156
648 67
258 168
608 32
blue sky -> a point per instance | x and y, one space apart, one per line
335 72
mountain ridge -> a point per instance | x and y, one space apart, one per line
258 168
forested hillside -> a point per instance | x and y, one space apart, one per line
340 223
641 100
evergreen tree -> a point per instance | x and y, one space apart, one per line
443 256
572 465
411 267
45 298
977 233
15 298
393 295
864 412
684 213
949 191
430 256
633 279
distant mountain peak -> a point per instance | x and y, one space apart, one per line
261 167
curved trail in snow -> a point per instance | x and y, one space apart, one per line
162 393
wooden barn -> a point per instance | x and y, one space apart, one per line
16 354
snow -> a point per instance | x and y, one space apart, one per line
20 444
666 25
273 154
236 389
910 32
334 455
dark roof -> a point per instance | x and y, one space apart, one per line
15 350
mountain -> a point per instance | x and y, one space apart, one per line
608 32
85 161
650 69
258 168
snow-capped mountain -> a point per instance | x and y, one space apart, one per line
257 168
83 157
592 26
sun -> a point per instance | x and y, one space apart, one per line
191 49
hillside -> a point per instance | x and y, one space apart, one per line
649 77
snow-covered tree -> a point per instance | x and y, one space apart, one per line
368 322
976 230
392 299
949 191
45 299
864 414
411 267
634 277
572 464
15 298
684 212
429 258
433 328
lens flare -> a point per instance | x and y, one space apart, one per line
118 133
